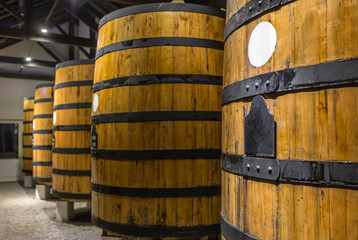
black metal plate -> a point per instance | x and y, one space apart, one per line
330 173
259 127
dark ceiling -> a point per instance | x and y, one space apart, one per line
21 20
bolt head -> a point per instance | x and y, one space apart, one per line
260 2
247 87
248 167
267 82
250 9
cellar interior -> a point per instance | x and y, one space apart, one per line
178 120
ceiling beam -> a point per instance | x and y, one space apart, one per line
80 15
7 42
11 11
29 7
27 76
32 63
48 37
49 52
88 55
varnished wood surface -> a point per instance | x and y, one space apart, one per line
27 139
158 135
161 24
317 125
73 139
42 139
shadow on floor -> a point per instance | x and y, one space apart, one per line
82 217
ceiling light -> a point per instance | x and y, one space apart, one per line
28 59
43 30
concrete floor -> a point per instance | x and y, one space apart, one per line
24 217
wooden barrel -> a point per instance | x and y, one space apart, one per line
42 134
27 136
156 118
290 110
71 167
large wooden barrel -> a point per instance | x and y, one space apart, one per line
42 134
157 121
27 136
290 109
71 158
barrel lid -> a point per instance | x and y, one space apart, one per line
161 7
74 62
29 98
45 85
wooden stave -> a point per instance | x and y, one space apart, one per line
26 139
113 91
68 185
43 174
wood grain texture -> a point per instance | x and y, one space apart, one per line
158 135
74 139
42 139
161 24
316 125
27 139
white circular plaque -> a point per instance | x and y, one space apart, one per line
95 102
262 44
54 117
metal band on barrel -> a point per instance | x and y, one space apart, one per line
68 195
43 116
156 231
71 172
29 98
37 179
41 131
72 128
160 41
249 12
158 79
74 84
45 85
74 63
331 173
42 100
156 154
49 164
233 233
328 74
73 106
157 116
42 147
161 7
72 150
158 192
29 110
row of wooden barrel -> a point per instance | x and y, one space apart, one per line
280 75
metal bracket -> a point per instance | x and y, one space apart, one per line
265 168
328 74
331 173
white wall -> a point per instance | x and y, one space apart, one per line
12 93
